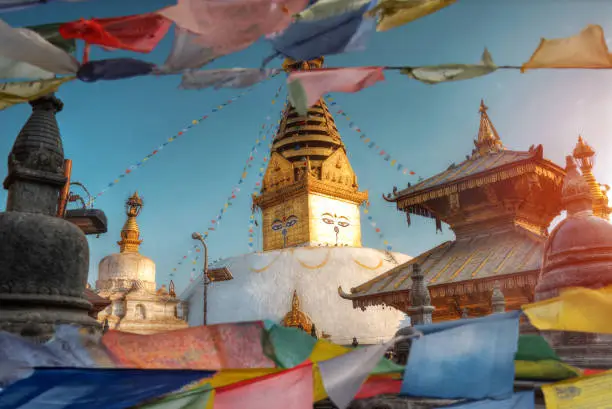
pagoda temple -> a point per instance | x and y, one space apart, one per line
499 203
310 225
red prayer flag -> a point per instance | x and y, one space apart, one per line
379 385
292 388
140 33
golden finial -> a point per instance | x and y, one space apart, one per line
585 156
488 140
583 153
292 65
130 234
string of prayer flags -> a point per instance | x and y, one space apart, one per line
186 54
369 142
12 93
95 388
519 400
292 388
306 40
588 49
256 190
307 87
323 9
113 69
535 359
231 26
173 138
50 32
344 375
366 212
576 309
225 78
395 13
485 347
452 72
588 392
139 33
184 258
27 46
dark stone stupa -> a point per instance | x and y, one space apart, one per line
44 259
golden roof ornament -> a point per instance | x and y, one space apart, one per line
585 156
575 193
296 318
130 234
488 140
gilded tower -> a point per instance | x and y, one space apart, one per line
130 234
585 156
309 195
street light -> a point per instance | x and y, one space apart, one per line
198 236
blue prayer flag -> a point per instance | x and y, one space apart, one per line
71 388
468 358
520 400
113 69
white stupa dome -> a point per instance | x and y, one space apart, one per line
263 285
126 267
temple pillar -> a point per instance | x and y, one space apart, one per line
498 302
44 259
420 309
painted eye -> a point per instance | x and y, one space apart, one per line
328 220
277 225
291 221
343 223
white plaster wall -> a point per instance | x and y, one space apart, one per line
267 294
129 266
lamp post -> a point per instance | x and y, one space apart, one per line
198 236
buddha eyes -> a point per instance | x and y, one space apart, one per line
291 221
335 220
343 223
279 224
328 220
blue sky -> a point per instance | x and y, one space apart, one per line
107 126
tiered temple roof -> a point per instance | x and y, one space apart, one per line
499 203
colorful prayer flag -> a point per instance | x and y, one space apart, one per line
50 32
587 392
69 388
395 13
535 359
588 49
344 375
114 69
440 361
27 46
225 78
436 74
291 388
12 93
307 87
206 347
140 33
186 53
323 9
576 309
519 400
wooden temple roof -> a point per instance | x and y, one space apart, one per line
489 255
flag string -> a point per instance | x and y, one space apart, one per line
369 142
215 222
155 152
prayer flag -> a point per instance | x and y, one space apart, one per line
395 13
140 33
343 376
231 26
535 359
12 93
113 69
587 392
50 32
225 78
307 87
186 53
236 345
483 348
27 46
520 400
323 9
576 309
436 74
587 49
291 388
288 347
69 388
307 40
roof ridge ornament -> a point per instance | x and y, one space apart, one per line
575 193
488 140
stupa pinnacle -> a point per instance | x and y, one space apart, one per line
309 195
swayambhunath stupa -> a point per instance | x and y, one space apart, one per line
316 234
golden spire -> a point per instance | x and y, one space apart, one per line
585 156
296 318
488 139
130 234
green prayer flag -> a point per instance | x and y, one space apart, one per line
191 399
287 347
534 348
547 369
50 32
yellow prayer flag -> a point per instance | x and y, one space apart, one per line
587 392
585 50
577 309
12 93
395 13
